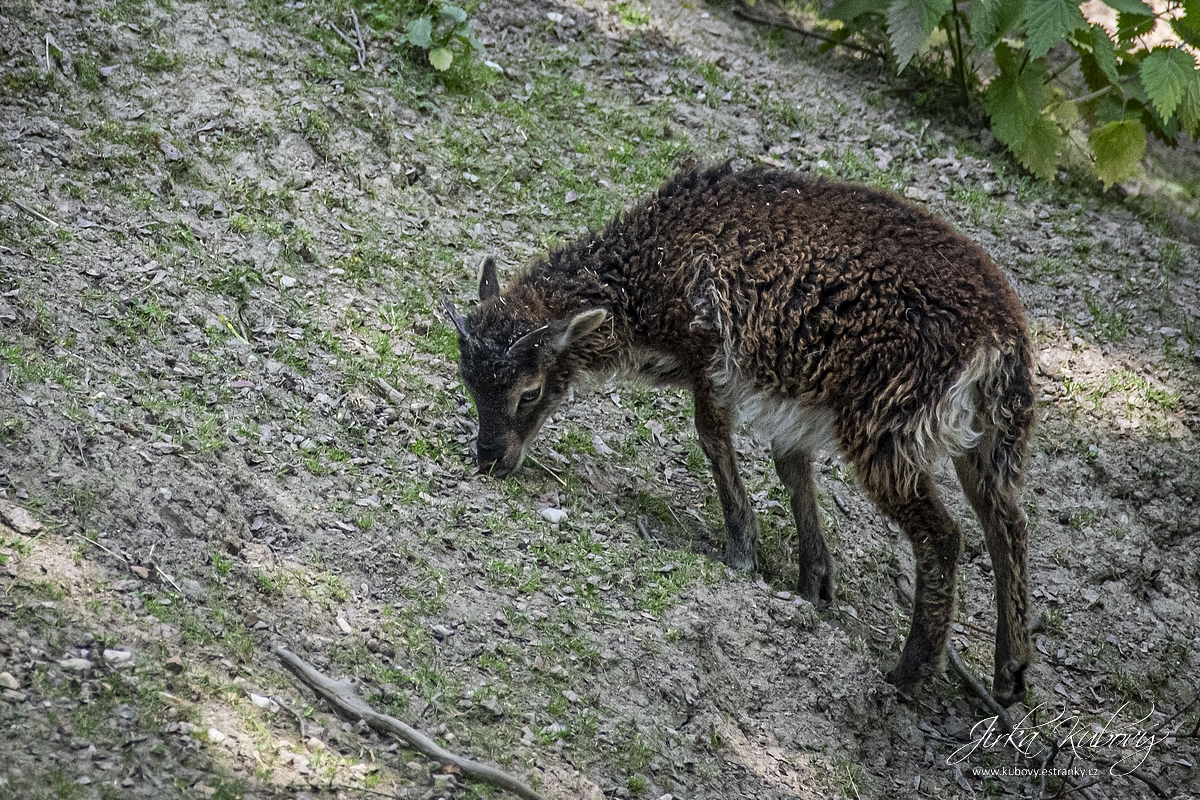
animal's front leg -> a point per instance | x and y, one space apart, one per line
715 427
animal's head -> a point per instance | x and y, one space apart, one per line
516 368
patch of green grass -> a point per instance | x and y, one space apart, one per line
268 584
1111 324
632 14
1082 519
848 777
12 430
156 59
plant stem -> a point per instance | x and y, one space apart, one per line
960 58
1070 63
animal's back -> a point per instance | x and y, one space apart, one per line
846 301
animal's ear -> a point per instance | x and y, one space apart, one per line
580 325
459 323
489 285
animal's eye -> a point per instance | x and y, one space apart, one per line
531 395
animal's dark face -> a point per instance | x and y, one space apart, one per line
514 370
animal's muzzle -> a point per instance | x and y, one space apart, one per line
491 458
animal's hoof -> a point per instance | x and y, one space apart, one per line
740 562
907 678
1008 685
815 587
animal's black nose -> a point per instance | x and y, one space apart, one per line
489 458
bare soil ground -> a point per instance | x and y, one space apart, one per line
228 400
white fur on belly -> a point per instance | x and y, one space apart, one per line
789 425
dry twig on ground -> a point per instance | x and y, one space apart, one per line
342 696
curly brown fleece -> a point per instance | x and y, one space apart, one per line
822 310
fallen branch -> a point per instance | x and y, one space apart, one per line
341 695
33 212
359 47
741 10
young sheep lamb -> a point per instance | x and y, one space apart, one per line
822 313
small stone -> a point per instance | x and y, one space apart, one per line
118 657
287 281
553 515
174 665
500 619
300 763
75 664
13 696
7 681
344 625
18 518
918 194
314 744
215 736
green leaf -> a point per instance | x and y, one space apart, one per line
1187 27
1014 98
1049 22
991 19
1104 53
1131 26
909 24
847 10
1118 147
1165 74
441 58
1135 7
452 12
1039 152
420 32
1189 107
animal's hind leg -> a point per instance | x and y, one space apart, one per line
1005 530
937 545
715 428
816 568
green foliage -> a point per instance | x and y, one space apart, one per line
1121 143
438 28
1132 91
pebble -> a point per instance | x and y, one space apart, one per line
118 657
287 281
76 664
553 515
215 735
7 681
344 625
260 701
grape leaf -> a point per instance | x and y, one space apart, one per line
991 19
909 24
1049 22
1014 98
1039 151
420 32
1118 147
1165 74
440 58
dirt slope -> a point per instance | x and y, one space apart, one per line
227 397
